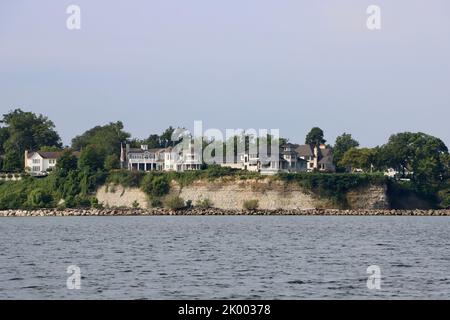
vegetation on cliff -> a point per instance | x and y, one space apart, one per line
423 159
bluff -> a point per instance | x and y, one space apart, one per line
229 194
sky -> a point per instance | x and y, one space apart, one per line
282 64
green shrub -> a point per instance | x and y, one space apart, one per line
135 204
125 178
333 186
112 162
175 202
40 198
156 203
155 184
444 196
13 200
95 203
204 203
82 201
251 204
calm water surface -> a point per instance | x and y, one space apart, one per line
224 257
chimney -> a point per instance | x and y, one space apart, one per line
144 147
316 157
322 146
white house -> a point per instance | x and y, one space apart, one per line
39 163
287 161
159 159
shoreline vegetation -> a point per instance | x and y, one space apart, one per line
421 161
217 212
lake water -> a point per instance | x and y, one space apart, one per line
229 257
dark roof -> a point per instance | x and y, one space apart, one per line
153 150
326 159
304 150
325 152
291 145
292 152
51 154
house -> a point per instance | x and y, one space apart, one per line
394 174
39 163
292 158
159 159
318 158
143 158
287 161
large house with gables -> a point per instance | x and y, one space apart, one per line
159 159
39 163
292 158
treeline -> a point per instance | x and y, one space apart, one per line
421 158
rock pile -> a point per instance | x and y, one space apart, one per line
216 212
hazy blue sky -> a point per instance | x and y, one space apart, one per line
285 64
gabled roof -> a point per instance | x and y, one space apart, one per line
326 159
305 150
139 150
51 154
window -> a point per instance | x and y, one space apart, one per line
52 161
36 168
36 161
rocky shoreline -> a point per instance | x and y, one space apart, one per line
217 212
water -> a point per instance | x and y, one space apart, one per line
225 257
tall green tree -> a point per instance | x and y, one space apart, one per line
166 137
107 138
153 141
25 131
315 137
112 162
343 143
419 153
363 158
4 135
67 162
91 159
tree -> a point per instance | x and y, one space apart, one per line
67 162
419 153
166 137
343 143
12 160
153 141
40 198
315 137
91 159
107 138
354 158
4 135
25 131
112 162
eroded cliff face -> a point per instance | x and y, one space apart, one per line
231 194
118 196
369 197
